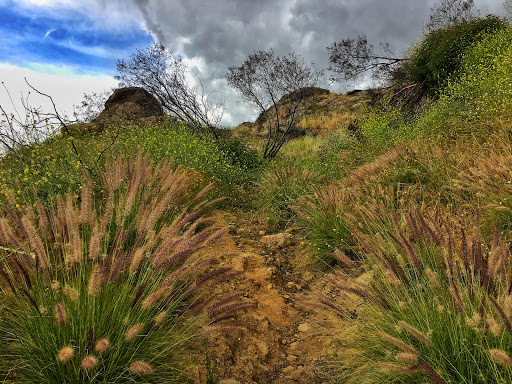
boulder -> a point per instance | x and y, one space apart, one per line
132 103
125 104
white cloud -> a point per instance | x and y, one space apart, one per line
64 85
214 35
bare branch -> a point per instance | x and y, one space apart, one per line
276 86
162 74
450 12
351 58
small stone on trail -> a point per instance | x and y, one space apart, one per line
293 287
304 327
229 381
278 240
307 277
241 231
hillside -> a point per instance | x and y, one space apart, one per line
374 248
322 112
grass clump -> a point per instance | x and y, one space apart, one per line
109 293
434 305
278 191
322 215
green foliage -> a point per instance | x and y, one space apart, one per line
437 58
480 100
102 294
279 190
52 168
230 163
322 214
383 127
435 307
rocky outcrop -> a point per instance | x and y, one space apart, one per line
303 93
133 104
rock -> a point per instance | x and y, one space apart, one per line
295 346
304 327
144 104
279 240
262 347
307 277
293 287
288 369
131 103
241 231
261 233
229 381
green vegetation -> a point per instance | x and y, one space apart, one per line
109 293
100 270
437 58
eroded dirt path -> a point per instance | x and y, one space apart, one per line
284 340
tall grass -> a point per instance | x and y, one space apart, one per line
436 304
109 292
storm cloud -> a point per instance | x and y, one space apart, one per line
222 33
212 35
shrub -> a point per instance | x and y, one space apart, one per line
279 190
322 214
383 127
479 102
229 163
110 293
434 303
438 57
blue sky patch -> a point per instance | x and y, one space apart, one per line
67 38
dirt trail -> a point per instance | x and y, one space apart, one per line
284 341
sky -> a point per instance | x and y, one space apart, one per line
66 48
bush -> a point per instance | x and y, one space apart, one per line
322 214
229 163
434 304
480 100
383 127
438 57
279 190
109 294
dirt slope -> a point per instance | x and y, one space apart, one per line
284 340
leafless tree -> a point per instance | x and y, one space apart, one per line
163 74
450 12
92 105
25 126
351 58
508 8
275 86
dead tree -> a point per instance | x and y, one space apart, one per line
163 74
351 58
450 12
275 86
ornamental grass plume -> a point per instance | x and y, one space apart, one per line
500 357
102 345
66 353
445 294
88 362
122 272
140 366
